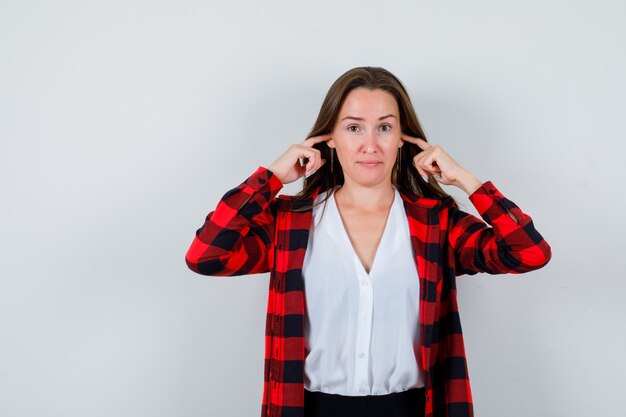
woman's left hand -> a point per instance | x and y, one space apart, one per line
433 159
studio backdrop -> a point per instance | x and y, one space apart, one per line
122 124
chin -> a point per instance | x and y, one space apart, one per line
369 180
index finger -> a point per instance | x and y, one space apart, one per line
316 139
418 141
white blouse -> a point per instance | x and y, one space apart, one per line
361 330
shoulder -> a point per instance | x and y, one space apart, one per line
286 202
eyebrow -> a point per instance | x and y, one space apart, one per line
360 118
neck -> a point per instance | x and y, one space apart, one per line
366 198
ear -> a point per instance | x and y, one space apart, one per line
330 143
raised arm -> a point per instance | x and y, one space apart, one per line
511 245
236 237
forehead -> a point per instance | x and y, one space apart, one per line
365 103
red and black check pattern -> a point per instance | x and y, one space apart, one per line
252 231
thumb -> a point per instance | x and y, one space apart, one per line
313 172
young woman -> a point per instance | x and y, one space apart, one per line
362 315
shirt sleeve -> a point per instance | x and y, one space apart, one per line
236 237
511 245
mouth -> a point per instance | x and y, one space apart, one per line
369 164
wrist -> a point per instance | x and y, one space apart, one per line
468 182
272 169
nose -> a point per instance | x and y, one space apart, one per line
370 143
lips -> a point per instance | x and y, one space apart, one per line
369 163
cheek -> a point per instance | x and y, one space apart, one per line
343 142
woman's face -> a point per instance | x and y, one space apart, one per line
366 136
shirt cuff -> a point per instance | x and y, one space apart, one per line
264 180
485 196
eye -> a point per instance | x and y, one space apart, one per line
351 127
389 126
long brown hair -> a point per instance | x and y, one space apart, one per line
407 178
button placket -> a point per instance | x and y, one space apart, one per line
363 335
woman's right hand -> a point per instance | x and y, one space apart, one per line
287 167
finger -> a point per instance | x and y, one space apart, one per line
426 165
423 173
313 165
313 161
417 141
316 139
429 162
309 142
305 153
313 171
408 138
420 159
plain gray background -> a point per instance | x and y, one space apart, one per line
122 123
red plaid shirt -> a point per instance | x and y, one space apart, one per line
253 231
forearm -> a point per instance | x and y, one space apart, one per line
468 182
